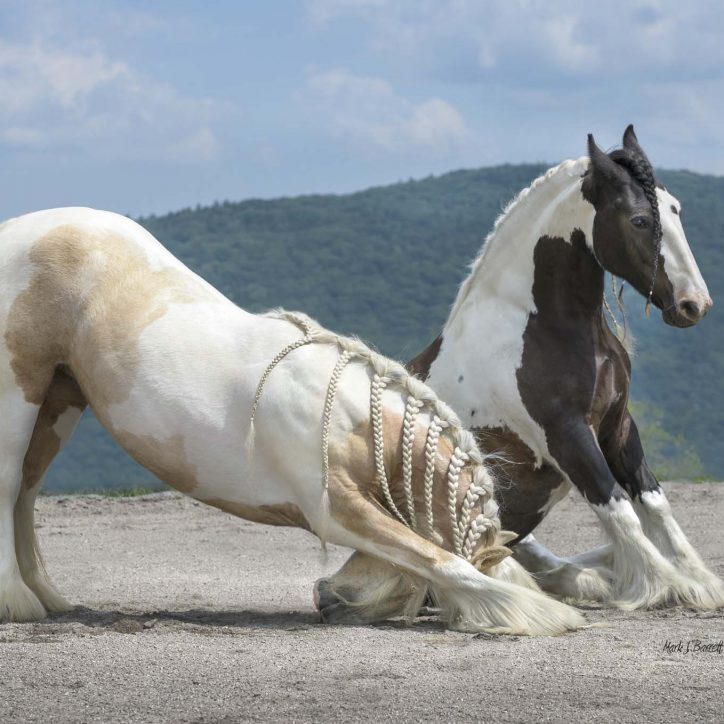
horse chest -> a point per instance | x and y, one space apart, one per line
572 371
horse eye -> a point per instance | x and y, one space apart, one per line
640 222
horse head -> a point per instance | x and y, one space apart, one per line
638 235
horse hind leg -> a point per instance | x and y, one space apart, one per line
57 419
17 418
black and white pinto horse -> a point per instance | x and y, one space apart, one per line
527 360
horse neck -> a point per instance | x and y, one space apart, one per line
503 274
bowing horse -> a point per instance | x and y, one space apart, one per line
268 417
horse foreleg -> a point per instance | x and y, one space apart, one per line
526 495
584 577
630 468
469 599
642 576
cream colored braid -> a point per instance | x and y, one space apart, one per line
467 532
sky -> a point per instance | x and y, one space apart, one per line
148 107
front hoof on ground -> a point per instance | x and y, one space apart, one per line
323 595
332 608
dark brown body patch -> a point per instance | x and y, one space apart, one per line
575 374
522 490
45 443
420 365
574 381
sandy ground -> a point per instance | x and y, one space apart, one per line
186 614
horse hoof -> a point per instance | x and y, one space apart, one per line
332 609
323 595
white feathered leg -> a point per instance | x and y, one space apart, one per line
469 599
643 577
585 577
705 589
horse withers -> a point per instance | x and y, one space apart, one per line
270 418
527 360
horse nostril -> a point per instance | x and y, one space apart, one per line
690 309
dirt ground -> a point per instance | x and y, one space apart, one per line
186 614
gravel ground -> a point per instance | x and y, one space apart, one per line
186 614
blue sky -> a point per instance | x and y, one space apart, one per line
144 107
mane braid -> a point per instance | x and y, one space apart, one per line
641 171
467 531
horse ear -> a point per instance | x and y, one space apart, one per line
602 164
631 143
629 138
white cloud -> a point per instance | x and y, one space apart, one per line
323 11
548 72
472 38
81 100
367 111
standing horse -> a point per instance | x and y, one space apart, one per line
339 441
527 360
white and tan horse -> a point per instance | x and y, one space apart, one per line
346 444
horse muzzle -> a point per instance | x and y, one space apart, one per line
688 310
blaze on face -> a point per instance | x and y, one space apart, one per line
637 232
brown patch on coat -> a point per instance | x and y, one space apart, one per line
91 296
353 473
166 459
521 489
574 374
420 365
359 512
286 514
44 444
90 322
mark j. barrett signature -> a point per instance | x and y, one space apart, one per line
694 646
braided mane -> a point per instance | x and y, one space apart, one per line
468 530
640 169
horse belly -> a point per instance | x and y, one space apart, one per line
178 399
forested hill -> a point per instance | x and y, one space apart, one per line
385 264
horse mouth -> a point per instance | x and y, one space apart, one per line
675 319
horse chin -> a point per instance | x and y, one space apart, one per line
674 319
